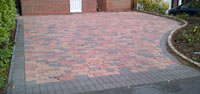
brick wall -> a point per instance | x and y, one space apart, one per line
119 5
102 5
44 7
89 5
51 7
114 5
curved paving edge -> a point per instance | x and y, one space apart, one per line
170 46
174 50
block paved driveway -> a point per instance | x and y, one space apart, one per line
80 53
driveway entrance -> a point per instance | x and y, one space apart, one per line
80 53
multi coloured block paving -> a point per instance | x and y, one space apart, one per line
93 52
60 48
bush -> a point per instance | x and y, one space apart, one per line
7 24
183 16
191 36
157 6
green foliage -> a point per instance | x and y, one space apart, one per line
183 16
157 6
7 24
195 4
191 36
198 15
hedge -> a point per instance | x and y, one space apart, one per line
7 24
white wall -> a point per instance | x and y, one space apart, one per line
180 2
170 3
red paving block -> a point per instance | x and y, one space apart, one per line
67 46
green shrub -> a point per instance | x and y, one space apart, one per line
183 16
7 24
191 36
157 6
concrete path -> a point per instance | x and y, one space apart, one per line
83 53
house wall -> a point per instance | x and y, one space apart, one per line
114 5
102 5
53 7
44 7
89 5
175 3
119 5
179 2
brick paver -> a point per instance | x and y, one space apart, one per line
97 51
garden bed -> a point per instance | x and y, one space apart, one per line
187 40
12 39
7 25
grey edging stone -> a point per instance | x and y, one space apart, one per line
13 61
169 40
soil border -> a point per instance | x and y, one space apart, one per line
170 47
